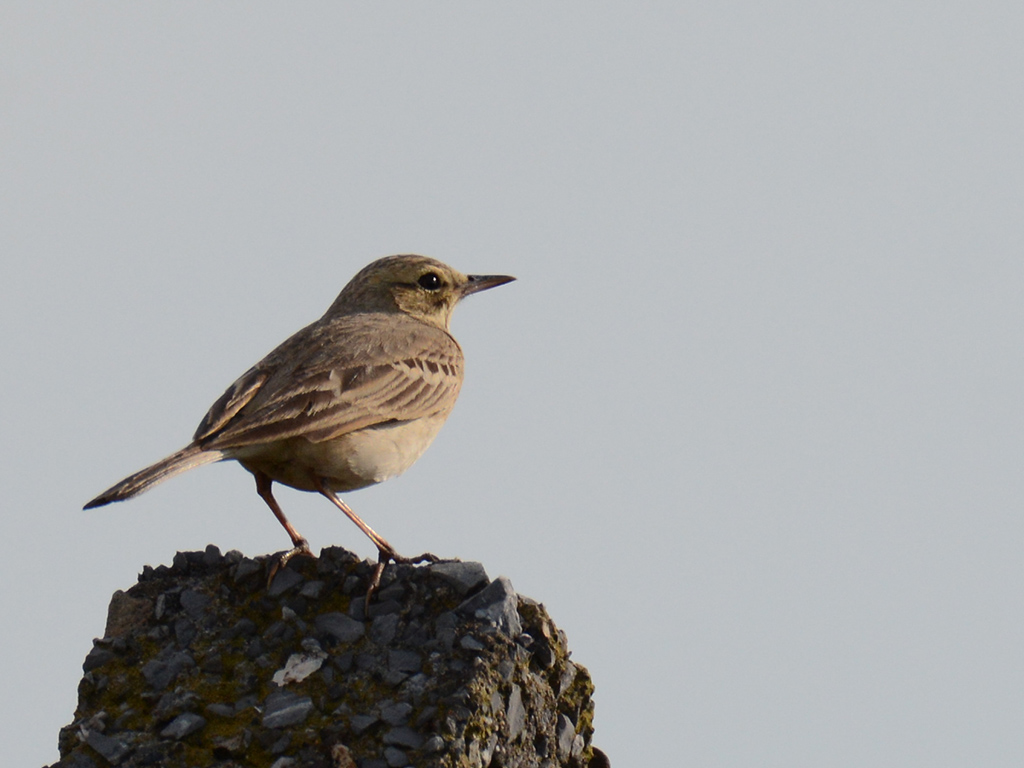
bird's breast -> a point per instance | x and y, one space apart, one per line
347 463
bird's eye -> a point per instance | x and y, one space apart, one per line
430 281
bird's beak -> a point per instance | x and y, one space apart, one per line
483 282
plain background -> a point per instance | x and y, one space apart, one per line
749 423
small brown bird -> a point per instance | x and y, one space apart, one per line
349 401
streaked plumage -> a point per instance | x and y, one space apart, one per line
348 401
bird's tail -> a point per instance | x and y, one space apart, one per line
185 459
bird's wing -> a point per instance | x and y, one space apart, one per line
234 399
337 377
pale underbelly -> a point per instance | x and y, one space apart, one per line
346 463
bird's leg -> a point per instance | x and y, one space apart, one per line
385 551
299 544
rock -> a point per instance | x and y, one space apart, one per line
498 604
232 746
433 745
565 734
403 736
396 714
312 589
284 709
360 723
126 612
111 750
299 666
246 568
470 643
194 603
173 703
383 628
515 713
284 580
160 673
210 667
97 658
407 662
463 577
183 725
184 631
342 628
341 757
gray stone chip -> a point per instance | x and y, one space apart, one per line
359 723
498 604
408 662
284 580
383 628
433 745
234 746
404 736
312 589
566 734
160 673
284 709
396 714
516 713
97 658
247 567
183 725
463 577
212 555
342 628
194 603
112 750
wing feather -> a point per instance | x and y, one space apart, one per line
234 399
337 377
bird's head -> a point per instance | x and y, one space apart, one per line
418 286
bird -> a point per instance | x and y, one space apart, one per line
349 401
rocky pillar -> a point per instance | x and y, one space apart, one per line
203 664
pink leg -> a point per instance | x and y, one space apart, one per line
299 544
385 551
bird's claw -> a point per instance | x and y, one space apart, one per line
301 548
383 557
426 557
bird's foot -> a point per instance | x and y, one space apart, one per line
301 548
386 555
426 557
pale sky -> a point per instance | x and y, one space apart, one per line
749 423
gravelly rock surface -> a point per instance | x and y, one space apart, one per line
203 664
